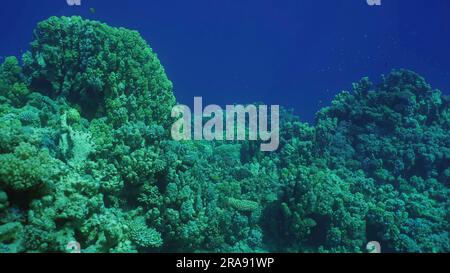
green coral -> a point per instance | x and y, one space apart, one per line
243 205
3 200
12 85
143 235
86 157
104 70
11 237
27 168
73 116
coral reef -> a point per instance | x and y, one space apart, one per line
103 70
85 156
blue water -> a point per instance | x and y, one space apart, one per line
296 53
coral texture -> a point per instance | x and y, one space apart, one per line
85 156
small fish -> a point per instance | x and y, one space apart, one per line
92 10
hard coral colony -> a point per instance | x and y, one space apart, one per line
86 156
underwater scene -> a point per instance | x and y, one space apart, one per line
290 126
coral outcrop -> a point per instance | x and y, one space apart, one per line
85 156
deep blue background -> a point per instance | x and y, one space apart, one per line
296 53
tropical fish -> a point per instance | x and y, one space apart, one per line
92 10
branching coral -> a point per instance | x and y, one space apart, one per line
106 71
27 168
144 236
243 205
85 157
12 85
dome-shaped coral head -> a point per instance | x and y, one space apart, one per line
104 70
